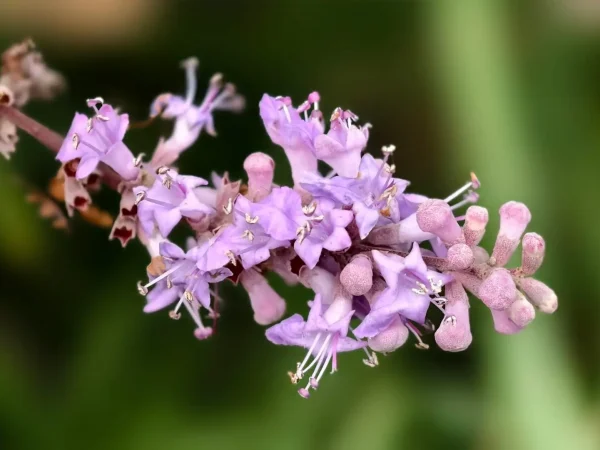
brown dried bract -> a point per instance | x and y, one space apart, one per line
156 267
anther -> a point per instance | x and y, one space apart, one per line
422 346
231 257
248 235
386 149
300 234
174 315
250 219
162 170
143 290
169 283
188 296
92 102
137 161
228 207
75 140
309 210
139 197
90 125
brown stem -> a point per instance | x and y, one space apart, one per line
44 135
50 139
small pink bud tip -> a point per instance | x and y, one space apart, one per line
532 256
260 169
498 290
357 276
390 339
521 312
514 217
268 306
435 216
203 333
314 97
503 324
476 219
304 393
539 294
460 257
454 333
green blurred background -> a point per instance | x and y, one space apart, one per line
507 89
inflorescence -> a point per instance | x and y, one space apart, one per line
377 257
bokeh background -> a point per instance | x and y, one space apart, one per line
509 90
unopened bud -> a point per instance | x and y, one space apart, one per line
393 337
476 219
268 306
460 257
260 169
357 276
533 252
503 324
498 290
405 231
454 333
514 217
539 294
521 312
435 216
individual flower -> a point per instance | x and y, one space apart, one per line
324 228
190 284
246 236
302 136
409 287
191 119
372 195
280 213
170 198
125 226
324 334
99 139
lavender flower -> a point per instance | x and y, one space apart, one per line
99 138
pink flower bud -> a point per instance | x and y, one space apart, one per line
357 276
532 256
521 312
460 257
454 333
498 290
435 216
481 255
268 306
469 281
390 339
503 324
539 294
514 217
260 169
476 219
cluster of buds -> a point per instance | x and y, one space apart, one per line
378 258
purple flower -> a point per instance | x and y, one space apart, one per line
302 136
186 281
190 119
293 133
372 195
324 333
280 213
246 236
170 198
324 228
409 286
99 139
343 144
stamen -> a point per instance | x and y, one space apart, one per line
299 366
190 65
163 276
387 149
143 290
300 234
248 234
231 257
420 345
137 161
309 210
94 102
228 208
470 197
75 141
250 219
301 371
90 125
371 360
139 197
474 183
